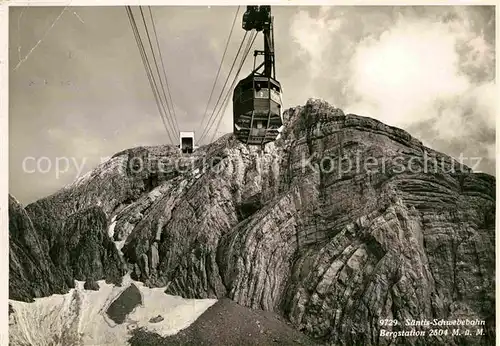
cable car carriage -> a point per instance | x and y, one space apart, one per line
257 110
257 100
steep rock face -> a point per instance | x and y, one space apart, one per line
84 251
81 251
32 273
341 222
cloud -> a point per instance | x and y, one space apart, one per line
401 75
311 33
427 70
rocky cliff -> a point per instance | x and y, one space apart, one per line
342 222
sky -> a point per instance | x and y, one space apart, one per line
78 90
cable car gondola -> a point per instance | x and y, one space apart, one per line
257 100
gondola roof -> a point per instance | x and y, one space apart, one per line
258 78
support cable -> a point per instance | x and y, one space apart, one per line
163 68
212 118
158 70
220 67
147 66
226 99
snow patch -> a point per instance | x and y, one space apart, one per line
111 229
79 317
111 233
154 194
119 245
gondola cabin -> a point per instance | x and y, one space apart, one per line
257 110
186 142
257 98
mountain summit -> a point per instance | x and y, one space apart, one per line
347 228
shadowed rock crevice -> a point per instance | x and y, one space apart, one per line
249 207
